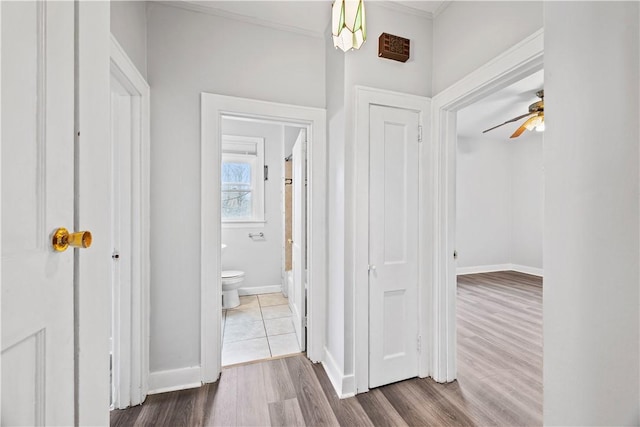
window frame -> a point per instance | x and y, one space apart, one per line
255 158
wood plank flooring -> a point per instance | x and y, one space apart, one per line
499 377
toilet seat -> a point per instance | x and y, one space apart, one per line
230 277
231 273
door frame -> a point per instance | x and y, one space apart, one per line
131 328
514 64
366 96
213 108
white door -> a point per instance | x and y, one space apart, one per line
121 126
393 245
297 298
37 197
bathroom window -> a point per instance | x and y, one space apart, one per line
242 178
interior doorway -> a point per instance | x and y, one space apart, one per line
499 236
129 340
214 109
513 65
264 230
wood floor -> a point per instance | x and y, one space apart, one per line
499 377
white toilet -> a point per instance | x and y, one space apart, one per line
231 280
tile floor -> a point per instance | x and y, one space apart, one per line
259 328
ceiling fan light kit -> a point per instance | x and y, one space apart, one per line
535 118
348 26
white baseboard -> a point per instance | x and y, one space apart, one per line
500 267
344 385
528 270
260 290
482 269
175 379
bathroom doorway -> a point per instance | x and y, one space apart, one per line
263 233
215 108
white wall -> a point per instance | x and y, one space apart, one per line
527 201
129 26
591 248
346 70
484 202
499 203
335 87
467 34
259 258
189 53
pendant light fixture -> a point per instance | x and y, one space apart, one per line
348 24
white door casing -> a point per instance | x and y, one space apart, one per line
393 245
214 107
130 139
514 64
365 99
37 198
297 296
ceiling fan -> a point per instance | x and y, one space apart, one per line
535 120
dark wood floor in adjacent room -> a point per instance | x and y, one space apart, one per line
499 377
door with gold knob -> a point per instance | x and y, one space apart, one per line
37 198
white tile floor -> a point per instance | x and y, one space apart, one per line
259 328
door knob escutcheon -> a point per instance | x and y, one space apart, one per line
62 239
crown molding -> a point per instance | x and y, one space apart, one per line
211 10
445 4
401 6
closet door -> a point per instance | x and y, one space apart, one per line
393 245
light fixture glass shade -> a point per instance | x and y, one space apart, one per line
535 122
348 24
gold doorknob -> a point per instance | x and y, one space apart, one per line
62 239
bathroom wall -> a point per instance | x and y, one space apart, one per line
259 258
499 204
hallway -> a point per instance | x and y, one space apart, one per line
500 377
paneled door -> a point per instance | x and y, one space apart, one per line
393 245
37 198
297 296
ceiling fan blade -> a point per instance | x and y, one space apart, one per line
509 121
522 128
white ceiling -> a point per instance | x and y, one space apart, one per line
423 5
503 105
306 16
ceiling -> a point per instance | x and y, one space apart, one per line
306 16
503 105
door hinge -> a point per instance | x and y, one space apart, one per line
419 343
419 133
304 321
